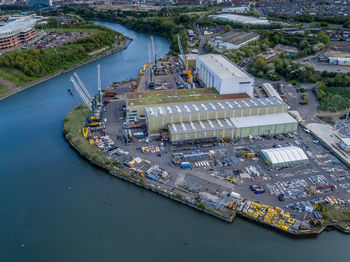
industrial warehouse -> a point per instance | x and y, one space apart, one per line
228 119
224 109
227 78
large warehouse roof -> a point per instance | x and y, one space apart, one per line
284 154
212 106
241 19
262 120
221 66
200 126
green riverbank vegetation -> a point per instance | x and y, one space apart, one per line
24 66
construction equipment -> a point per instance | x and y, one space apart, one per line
150 83
187 72
85 132
99 85
90 101
154 52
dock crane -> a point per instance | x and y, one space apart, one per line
99 85
154 52
151 83
187 71
94 117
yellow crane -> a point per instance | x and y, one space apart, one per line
187 71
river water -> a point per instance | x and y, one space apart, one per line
55 207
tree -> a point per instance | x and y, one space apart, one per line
53 22
322 37
324 24
347 24
259 64
227 28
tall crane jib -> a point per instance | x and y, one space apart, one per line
154 51
99 85
89 101
151 83
187 72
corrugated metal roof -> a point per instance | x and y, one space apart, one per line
262 120
158 111
200 126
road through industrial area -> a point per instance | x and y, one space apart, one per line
56 207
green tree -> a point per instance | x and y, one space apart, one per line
322 37
324 24
53 22
227 28
259 64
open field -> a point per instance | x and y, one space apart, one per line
15 76
73 125
179 96
340 49
3 89
336 212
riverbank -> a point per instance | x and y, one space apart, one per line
95 57
72 131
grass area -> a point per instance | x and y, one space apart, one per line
73 130
15 76
3 89
331 117
335 212
69 30
179 96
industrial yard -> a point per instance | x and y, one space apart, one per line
218 148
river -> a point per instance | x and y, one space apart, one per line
54 206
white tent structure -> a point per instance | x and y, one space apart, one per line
284 157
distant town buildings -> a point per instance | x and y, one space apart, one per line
17 31
39 3
240 9
234 40
297 7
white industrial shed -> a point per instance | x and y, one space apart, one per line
270 91
284 157
226 77
250 20
258 125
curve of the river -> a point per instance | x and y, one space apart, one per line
54 206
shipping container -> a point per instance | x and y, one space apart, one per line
151 176
185 165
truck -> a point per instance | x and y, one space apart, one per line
185 165
281 197
257 189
